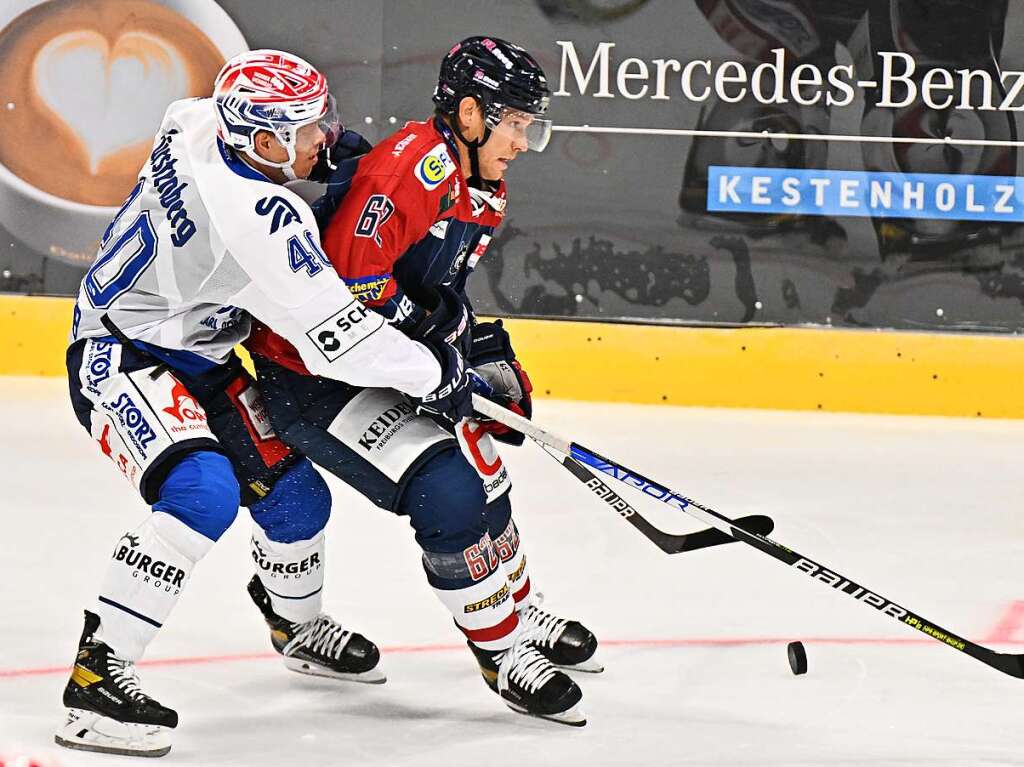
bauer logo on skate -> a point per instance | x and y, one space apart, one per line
137 428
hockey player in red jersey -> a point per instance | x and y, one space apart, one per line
413 221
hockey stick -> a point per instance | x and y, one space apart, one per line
1008 663
667 542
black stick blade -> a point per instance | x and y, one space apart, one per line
758 524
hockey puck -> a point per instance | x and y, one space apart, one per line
797 658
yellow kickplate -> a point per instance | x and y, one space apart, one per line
83 677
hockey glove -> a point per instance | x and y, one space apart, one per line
500 377
448 322
336 166
445 331
349 145
452 401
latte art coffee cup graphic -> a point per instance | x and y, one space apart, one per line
83 87
90 86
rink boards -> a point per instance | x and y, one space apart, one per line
790 368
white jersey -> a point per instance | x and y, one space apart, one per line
204 240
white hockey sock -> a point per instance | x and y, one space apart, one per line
484 611
292 574
513 561
149 570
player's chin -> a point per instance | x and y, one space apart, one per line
302 170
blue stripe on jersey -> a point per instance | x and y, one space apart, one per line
235 163
189 363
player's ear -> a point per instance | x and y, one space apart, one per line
471 118
265 143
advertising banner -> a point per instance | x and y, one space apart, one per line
851 163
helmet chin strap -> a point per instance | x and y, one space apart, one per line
285 166
474 180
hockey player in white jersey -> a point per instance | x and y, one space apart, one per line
207 237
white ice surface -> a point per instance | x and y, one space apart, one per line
925 511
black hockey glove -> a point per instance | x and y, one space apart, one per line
448 321
501 377
452 401
445 331
336 166
348 146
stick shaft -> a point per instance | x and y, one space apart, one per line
1007 663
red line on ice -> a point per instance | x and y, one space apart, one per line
14 673
1010 622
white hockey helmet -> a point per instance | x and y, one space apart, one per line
273 91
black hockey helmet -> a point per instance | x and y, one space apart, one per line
503 78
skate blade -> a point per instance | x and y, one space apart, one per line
589 666
573 717
373 676
89 731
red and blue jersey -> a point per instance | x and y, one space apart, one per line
407 224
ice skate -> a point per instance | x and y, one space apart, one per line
320 647
529 684
107 711
566 643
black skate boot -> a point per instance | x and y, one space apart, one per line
568 644
319 647
529 684
106 709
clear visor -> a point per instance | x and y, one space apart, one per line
330 122
524 129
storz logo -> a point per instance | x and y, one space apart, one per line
135 425
282 212
98 365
